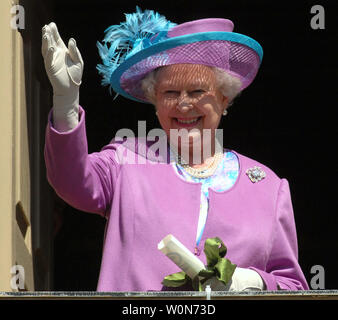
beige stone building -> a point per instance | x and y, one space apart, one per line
25 197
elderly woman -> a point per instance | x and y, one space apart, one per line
191 73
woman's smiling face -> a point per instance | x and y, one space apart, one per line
187 97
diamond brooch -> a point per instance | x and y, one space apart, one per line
255 174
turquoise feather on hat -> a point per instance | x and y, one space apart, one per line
135 34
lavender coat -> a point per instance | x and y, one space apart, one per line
145 202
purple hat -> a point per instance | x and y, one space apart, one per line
146 41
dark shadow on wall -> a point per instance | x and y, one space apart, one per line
77 248
38 102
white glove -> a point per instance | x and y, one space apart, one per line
64 67
246 280
242 280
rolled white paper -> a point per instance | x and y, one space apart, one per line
181 256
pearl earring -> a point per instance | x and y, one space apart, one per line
156 113
225 112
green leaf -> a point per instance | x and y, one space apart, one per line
207 273
175 280
196 284
214 248
224 270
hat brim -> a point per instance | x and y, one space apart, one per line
236 38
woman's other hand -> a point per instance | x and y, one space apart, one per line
246 280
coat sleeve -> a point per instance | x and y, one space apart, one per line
85 181
283 271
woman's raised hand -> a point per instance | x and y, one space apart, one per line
64 67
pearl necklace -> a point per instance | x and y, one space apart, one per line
203 172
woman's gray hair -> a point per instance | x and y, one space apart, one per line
229 85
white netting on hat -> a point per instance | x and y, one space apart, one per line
237 59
